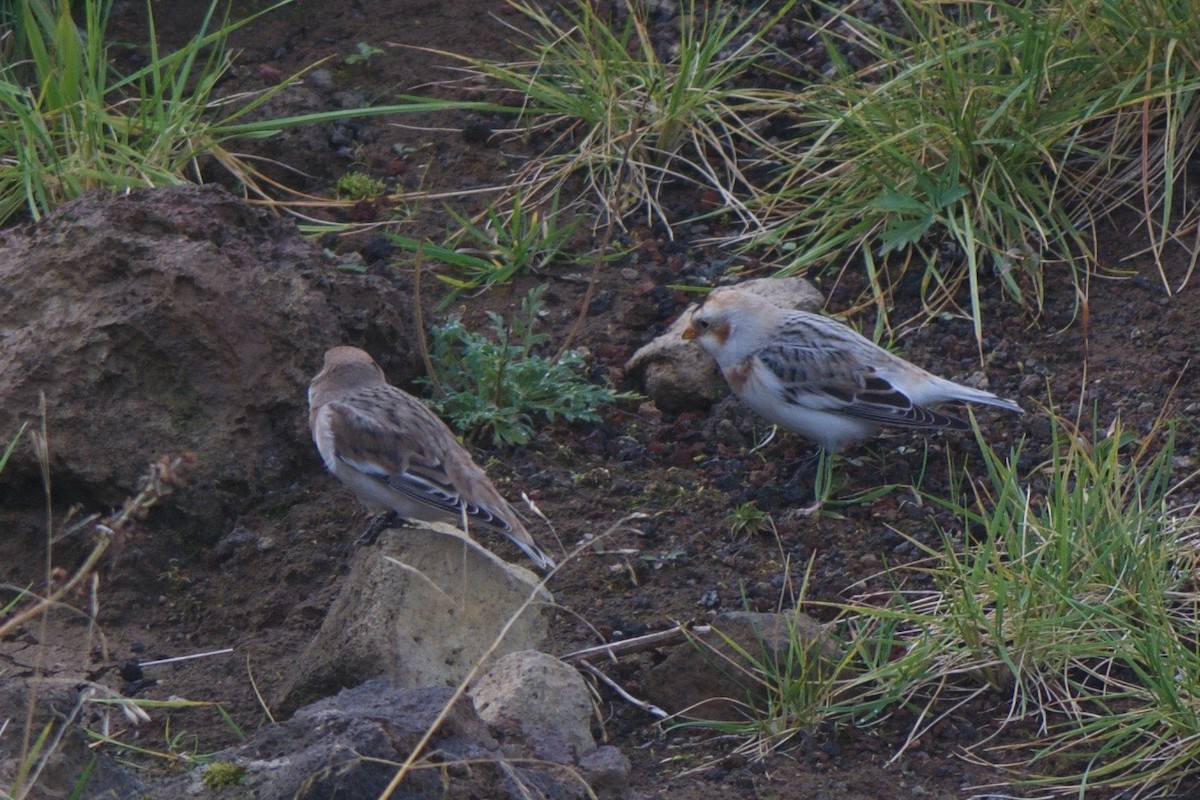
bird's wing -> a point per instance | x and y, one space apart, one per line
832 380
403 449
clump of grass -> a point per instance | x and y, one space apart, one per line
69 124
626 119
500 385
748 518
795 680
1001 129
1068 600
356 185
1072 597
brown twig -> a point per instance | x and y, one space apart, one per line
639 644
613 216
419 315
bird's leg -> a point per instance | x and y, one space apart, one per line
377 526
822 481
805 464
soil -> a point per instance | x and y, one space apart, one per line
1126 358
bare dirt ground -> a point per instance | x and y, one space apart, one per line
266 602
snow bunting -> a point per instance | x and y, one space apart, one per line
816 377
396 455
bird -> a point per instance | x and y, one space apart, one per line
395 454
817 377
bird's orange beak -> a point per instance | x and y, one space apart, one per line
689 332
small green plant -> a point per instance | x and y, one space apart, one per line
220 774
362 52
500 385
506 242
748 518
358 186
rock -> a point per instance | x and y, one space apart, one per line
59 776
712 680
352 745
546 699
792 293
171 320
606 770
678 375
420 608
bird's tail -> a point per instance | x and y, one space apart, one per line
957 391
535 553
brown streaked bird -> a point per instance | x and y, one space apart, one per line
816 377
397 455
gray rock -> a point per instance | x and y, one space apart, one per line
606 770
793 293
352 745
711 679
546 699
172 320
678 375
321 78
420 608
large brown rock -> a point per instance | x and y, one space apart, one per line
170 320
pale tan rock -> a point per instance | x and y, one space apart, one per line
678 375
542 695
420 608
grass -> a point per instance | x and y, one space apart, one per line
748 518
513 237
1065 599
69 124
624 121
1005 130
789 688
983 142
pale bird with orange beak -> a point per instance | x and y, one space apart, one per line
396 455
816 377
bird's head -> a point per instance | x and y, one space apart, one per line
346 369
731 323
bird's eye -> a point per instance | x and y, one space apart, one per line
702 324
